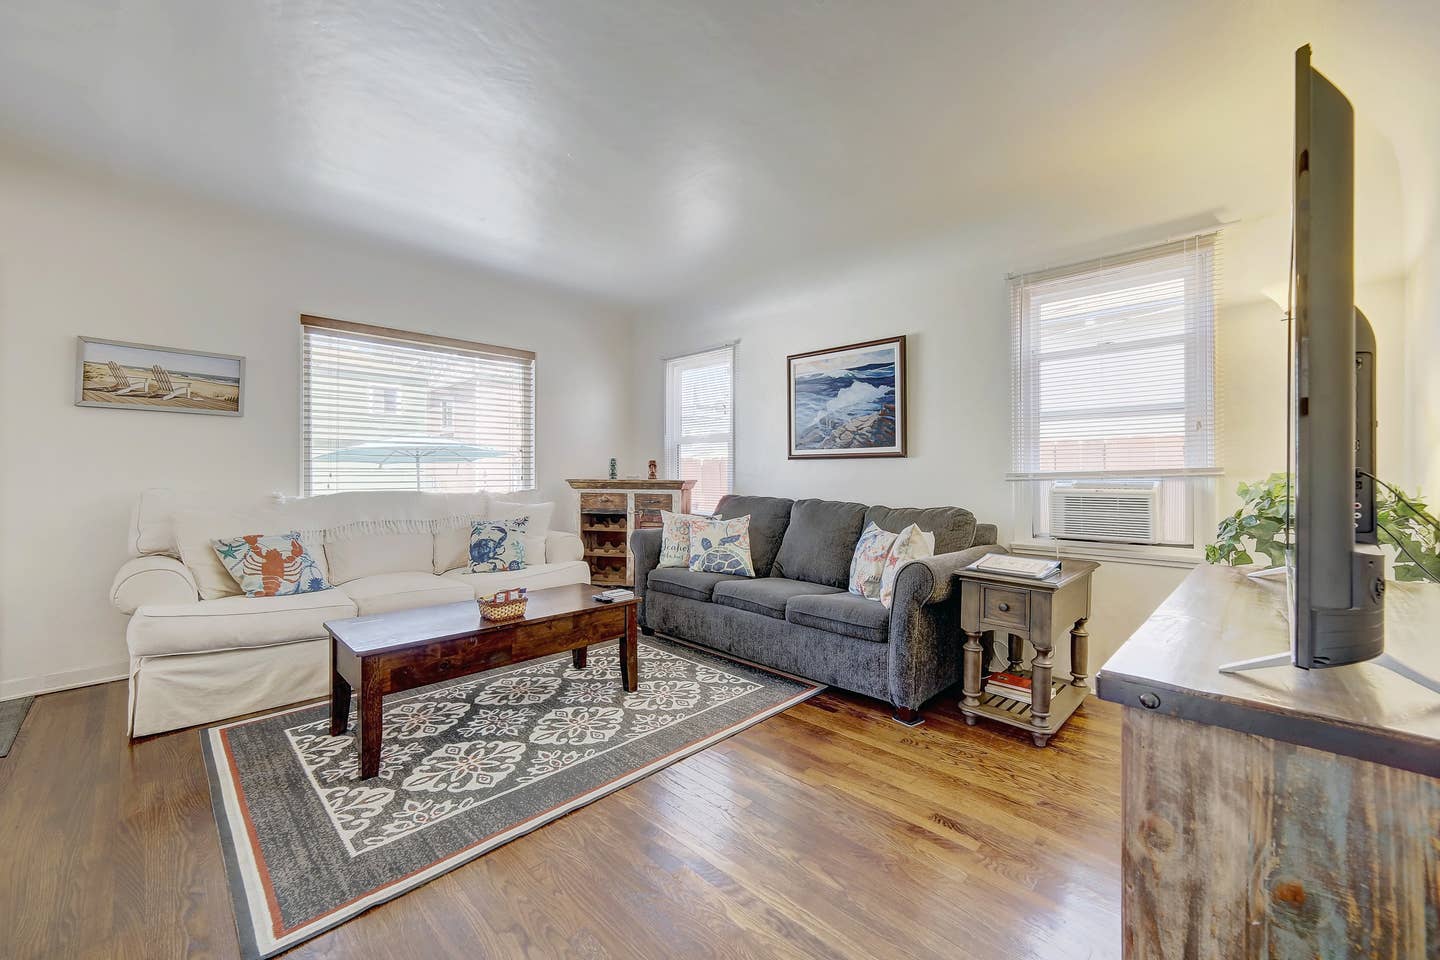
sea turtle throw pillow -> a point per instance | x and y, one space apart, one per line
497 545
271 565
867 566
910 544
721 546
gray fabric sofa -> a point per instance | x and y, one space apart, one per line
796 615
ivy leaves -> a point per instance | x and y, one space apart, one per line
1259 528
1260 520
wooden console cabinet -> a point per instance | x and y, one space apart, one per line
1280 814
610 510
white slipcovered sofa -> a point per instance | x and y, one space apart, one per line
201 651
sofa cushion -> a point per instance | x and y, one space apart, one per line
954 527
820 541
386 592
767 597
233 622
847 614
536 577
365 555
769 516
684 582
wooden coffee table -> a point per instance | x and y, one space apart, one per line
390 652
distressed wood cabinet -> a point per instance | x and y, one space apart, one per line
1281 813
610 510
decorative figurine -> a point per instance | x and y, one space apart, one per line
652 471
614 468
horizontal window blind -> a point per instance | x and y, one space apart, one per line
389 410
700 424
1113 365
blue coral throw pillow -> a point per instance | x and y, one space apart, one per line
497 545
721 546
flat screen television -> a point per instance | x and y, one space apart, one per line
1336 570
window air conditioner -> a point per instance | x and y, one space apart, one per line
1120 511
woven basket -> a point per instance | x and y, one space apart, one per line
491 609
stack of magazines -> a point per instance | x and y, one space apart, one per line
611 596
1009 565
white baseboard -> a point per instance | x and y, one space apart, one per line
67 680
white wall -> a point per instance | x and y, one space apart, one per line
1422 328
1250 349
954 308
85 256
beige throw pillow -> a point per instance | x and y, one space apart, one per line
675 538
910 544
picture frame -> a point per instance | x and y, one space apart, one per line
848 402
121 375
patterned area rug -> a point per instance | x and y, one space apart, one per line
12 717
465 767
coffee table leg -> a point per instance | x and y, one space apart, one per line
371 728
339 703
578 656
630 652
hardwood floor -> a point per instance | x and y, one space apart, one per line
827 831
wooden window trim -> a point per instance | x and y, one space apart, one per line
367 331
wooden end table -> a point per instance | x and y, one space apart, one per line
1040 611
390 652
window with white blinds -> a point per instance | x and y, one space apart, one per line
1113 373
389 410
700 424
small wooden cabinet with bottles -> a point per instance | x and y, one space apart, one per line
610 510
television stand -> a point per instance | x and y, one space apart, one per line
1290 807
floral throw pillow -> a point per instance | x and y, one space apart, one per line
271 566
675 538
497 545
912 543
721 546
868 565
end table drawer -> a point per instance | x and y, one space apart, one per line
1002 605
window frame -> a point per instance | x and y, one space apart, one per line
672 413
1200 392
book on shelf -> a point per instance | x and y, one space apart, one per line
1014 686
1009 565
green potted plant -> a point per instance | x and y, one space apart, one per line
1259 527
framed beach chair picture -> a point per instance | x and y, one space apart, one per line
138 376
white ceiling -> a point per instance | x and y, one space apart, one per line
654 150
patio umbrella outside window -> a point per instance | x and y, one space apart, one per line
419 450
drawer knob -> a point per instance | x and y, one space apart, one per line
1004 608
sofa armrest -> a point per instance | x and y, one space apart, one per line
561 545
934 580
925 626
645 548
152 580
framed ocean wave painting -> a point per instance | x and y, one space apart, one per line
848 401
